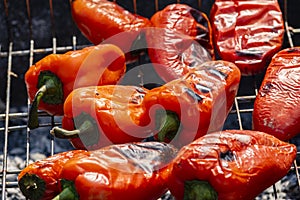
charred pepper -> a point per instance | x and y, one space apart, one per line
125 171
276 105
247 33
97 116
39 180
201 100
180 39
230 165
50 80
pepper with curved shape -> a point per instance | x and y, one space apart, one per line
50 80
201 100
105 21
276 106
247 33
132 170
230 165
180 39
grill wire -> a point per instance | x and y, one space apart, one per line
13 114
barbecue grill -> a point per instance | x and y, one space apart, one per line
31 29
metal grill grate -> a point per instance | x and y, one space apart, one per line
32 29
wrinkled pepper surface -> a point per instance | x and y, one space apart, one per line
50 80
181 39
230 165
178 112
39 180
125 171
201 101
276 107
95 117
247 33
106 21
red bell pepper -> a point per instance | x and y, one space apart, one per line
230 165
39 180
95 117
201 100
106 21
276 106
181 38
50 80
247 33
98 116
125 171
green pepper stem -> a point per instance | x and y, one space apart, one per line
168 124
199 190
87 131
50 91
33 121
32 186
66 194
68 191
66 134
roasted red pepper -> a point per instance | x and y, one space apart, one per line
181 38
201 100
247 33
51 79
106 21
125 171
39 180
99 116
276 106
119 114
230 165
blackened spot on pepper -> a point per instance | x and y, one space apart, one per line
197 15
265 89
202 88
195 96
292 50
227 156
140 90
218 73
250 53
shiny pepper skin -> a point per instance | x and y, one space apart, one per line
60 74
202 100
276 107
39 180
105 21
114 111
233 164
247 33
180 39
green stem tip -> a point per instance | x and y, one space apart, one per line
50 91
87 130
199 190
168 124
68 191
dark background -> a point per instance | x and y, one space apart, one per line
39 24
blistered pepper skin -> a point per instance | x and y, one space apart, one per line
247 33
276 105
47 170
202 99
126 171
181 38
237 164
117 112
